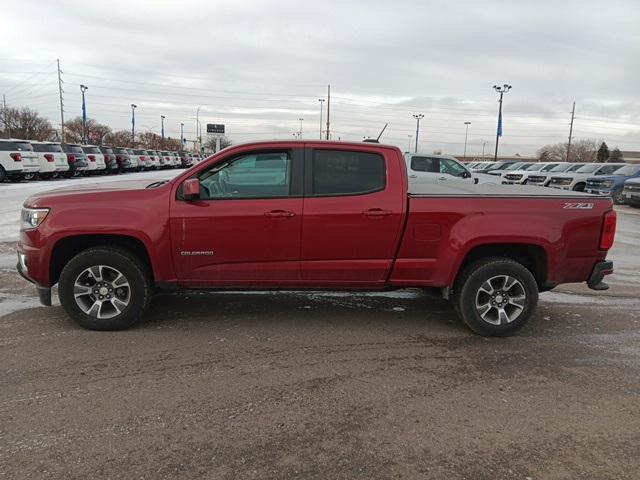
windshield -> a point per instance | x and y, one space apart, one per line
47 147
629 170
548 168
515 166
536 167
91 150
24 146
587 169
74 148
561 168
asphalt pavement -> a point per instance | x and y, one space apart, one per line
324 386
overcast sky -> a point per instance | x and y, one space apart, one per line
260 66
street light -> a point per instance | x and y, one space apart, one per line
418 117
181 134
321 100
466 134
162 131
301 120
409 147
198 136
84 88
133 124
501 90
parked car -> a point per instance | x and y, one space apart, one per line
542 179
76 158
109 158
97 164
17 159
136 163
166 159
483 166
499 172
185 159
612 185
631 192
144 160
53 161
155 159
521 177
197 158
124 159
496 167
431 168
175 159
489 248
577 181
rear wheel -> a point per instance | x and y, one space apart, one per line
618 198
105 288
579 187
495 297
29 176
3 174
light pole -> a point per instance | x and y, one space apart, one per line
300 132
133 124
321 100
466 134
409 147
84 88
501 90
181 135
418 117
162 131
198 138
484 144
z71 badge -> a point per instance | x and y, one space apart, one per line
578 206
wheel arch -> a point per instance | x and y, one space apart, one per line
66 248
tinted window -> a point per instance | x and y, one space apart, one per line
425 164
549 167
46 147
629 170
608 169
452 167
74 149
106 150
338 172
535 167
120 150
24 146
257 175
140 152
587 169
91 149
6 146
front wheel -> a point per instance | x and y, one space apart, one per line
617 197
495 297
105 288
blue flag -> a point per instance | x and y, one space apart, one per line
500 123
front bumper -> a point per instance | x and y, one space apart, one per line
44 293
600 269
598 191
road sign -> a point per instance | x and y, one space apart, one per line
215 128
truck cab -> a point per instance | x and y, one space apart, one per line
433 168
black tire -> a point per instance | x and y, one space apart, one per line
3 174
579 187
29 176
617 197
138 293
468 292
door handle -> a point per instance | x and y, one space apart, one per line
442 178
377 212
279 214
413 176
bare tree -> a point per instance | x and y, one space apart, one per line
225 142
120 138
27 124
96 132
582 151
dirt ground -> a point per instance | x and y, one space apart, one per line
324 386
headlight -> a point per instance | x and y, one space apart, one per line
607 183
32 217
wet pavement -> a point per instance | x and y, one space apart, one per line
325 386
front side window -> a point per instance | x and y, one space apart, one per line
608 169
629 170
452 167
337 172
257 175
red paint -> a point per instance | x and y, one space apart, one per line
376 240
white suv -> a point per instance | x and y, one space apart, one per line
542 179
53 161
426 168
95 158
520 177
578 180
17 158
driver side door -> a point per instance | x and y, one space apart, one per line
245 228
453 172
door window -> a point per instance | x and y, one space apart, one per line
425 164
337 172
257 175
451 167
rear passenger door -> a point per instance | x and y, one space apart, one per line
352 215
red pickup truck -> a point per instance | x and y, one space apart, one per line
311 215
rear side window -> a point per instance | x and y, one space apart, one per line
425 164
24 146
7 146
337 172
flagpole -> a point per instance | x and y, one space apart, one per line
501 90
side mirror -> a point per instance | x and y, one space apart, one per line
191 189
466 174
476 180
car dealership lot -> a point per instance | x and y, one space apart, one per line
320 385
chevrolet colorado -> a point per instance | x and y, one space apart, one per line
311 215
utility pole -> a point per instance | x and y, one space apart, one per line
300 131
60 91
328 108
501 90
418 117
162 132
573 113
198 138
466 134
321 100
133 124
7 130
181 135
84 88
483 145
409 147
